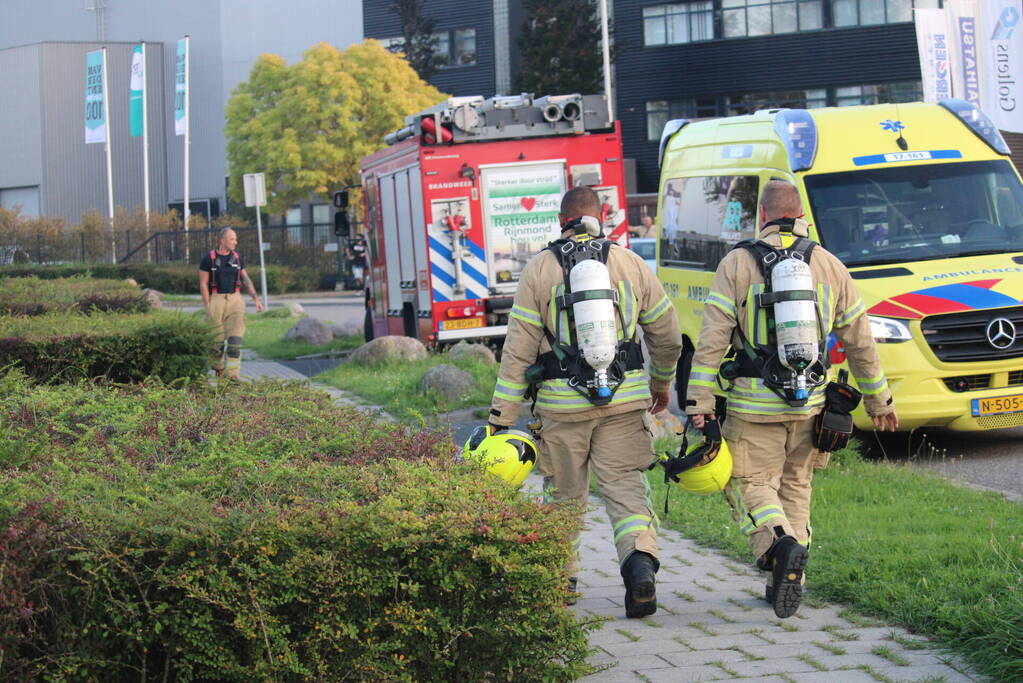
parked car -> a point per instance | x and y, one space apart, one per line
646 247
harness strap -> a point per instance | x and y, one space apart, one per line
566 300
771 298
232 258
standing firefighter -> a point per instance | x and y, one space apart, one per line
572 334
775 301
221 275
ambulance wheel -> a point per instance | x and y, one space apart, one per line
682 370
367 324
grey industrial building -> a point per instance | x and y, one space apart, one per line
45 165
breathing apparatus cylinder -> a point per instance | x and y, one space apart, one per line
595 328
795 321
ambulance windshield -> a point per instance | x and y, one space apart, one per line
896 214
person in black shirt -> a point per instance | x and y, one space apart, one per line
221 277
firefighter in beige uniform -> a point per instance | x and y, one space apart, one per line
221 276
772 440
582 430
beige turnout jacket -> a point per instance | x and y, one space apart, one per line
730 302
642 302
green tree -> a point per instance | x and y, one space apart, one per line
417 35
560 45
308 125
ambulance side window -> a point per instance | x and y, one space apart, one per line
372 229
702 218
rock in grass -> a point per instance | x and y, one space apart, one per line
391 347
450 382
475 351
155 298
295 308
349 328
310 331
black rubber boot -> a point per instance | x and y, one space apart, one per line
789 561
640 590
769 594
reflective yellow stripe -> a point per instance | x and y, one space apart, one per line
556 393
661 373
719 300
872 385
631 524
526 315
657 311
630 518
628 305
850 314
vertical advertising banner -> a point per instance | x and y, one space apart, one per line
180 83
95 120
932 43
521 204
135 93
1002 33
961 17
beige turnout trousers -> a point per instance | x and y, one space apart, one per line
227 312
618 449
764 502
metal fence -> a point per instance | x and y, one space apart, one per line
307 246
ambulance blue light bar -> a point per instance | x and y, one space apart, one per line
978 122
798 133
670 128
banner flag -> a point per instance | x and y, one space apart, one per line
1001 32
95 120
135 93
180 84
932 43
961 17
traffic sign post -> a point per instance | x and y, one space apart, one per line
255 195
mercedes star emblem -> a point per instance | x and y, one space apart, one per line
1001 333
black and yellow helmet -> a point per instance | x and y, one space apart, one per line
704 464
510 453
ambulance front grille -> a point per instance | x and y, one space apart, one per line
1015 377
1000 421
962 337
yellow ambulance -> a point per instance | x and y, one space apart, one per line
920 201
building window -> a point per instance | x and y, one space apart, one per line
742 18
659 112
465 46
681 23
872 12
792 99
450 48
906 91
293 219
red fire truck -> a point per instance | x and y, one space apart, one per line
465 194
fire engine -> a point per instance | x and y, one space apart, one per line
465 194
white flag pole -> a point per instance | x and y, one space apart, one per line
110 168
145 139
605 44
188 127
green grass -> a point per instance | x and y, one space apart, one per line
264 334
394 385
904 546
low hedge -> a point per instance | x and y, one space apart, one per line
177 278
258 532
34 296
119 347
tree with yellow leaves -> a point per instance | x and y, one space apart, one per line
307 126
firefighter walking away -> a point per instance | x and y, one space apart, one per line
775 301
572 339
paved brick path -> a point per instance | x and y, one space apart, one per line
712 622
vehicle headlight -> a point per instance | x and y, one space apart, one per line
889 330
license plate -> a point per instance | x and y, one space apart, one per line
468 323
997 405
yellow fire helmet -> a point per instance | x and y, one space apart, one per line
702 466
510 453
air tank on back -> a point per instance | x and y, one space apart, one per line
595 328
795 322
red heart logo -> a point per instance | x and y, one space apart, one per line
528 203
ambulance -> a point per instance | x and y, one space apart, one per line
465 194
921 203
